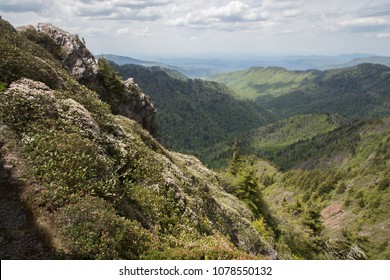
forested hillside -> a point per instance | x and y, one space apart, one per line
358 92
338 198
194 115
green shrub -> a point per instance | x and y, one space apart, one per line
215 247
342 187
263 229
384 183
65 163
91 229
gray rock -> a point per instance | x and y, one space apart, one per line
79 59
138 106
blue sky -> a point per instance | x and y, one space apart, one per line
187 27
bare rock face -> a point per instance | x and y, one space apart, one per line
79 59
138 106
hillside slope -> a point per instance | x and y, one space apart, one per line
99 185
358 92
338 196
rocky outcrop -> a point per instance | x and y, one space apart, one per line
133 104
39 101
138 106
79 59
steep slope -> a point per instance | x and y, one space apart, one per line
356 92
269 141
194 115
334 204
99 184
338 197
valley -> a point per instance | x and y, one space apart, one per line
319 159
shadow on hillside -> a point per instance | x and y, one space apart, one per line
20 236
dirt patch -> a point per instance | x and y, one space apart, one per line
333 215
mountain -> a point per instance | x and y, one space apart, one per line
91 184
356 92
190 68
194 115
205 66
384 60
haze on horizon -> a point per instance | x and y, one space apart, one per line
205 27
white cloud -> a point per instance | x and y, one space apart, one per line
132 32
383 35
282 4
364 24
293 13
19 6
119 10
234 12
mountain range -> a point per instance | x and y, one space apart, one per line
203 67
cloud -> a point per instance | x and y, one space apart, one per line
293 13
127 31
235 11
281 4
20 6
234 14
375 11
121 10
365 24
383 35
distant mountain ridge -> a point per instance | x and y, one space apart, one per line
203 67
120 60
383 60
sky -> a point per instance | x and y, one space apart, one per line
146 28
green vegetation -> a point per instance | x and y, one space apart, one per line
269 141
194 115
265 82
343 182
358 92
336 209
